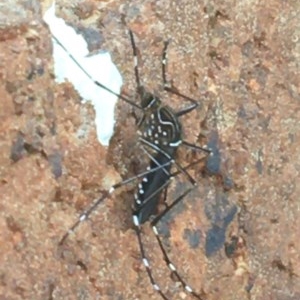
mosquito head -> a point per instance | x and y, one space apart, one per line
148 100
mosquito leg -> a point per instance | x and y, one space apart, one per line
166 258
195 147
159 150
92 79
194 103
135 59
137 227
105 195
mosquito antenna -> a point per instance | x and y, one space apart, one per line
92 79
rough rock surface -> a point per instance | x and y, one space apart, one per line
236 236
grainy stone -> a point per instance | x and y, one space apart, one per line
241 60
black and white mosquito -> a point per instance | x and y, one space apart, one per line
160 135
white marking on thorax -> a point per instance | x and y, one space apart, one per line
175 144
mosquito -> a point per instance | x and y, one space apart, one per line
160 136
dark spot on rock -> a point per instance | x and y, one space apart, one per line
230 247
58 195
260 41
82 265
30 75
228 219
213 161
55 161
277 263
247 49
250 283
34 147
193 237
215 237
259 166
34 70
12 224
242 112
40 71
11 87
94 38
261 74
164 230
228 183
17 148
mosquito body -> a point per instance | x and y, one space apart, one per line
160 135
159 130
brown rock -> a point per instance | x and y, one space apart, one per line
241 60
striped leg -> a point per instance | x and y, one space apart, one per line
84 216
170 265
136 70
137 228
92 79
171 90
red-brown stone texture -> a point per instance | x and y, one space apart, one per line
236 236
